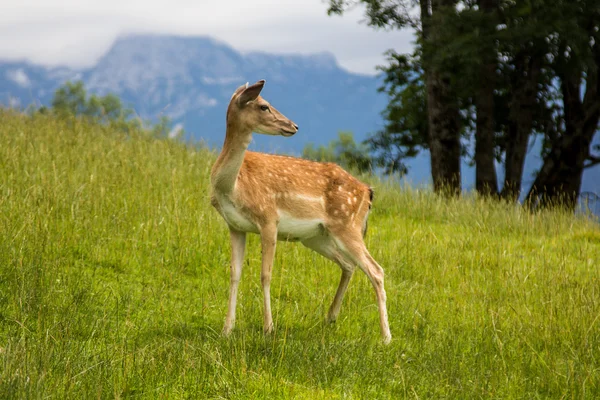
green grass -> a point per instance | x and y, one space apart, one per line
114 281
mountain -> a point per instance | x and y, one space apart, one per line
191 79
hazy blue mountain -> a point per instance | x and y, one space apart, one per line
190 79
23 84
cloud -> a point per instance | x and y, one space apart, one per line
19 77
176 131
78 33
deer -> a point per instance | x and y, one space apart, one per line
283 198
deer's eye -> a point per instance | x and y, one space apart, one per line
264 107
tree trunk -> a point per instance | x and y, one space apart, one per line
559 180
442 111
444 138
486 182
528 68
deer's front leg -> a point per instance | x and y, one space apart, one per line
238 246
268 238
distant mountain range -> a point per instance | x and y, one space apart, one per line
191 79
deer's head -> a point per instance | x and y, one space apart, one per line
248 110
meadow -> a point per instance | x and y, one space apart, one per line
114 275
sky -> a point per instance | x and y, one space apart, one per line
77 33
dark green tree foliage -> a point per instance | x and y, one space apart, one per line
72 100
162 128
500 72
575 60
443 111
522 47
406 130
343 151
387 14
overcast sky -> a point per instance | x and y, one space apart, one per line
78 32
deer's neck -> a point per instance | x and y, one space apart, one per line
228 164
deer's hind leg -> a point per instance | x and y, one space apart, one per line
355 252
327 247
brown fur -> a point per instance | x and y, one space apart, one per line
268 182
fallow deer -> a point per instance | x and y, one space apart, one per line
287 198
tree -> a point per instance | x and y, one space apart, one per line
497 72
443 118
344 151
406 131
442 103
72 100
523 47
576 63
486 181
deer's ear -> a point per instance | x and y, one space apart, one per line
239 90
251 92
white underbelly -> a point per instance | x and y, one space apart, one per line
290 228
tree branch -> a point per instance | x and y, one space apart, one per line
593 161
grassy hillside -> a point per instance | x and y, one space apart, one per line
114 279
